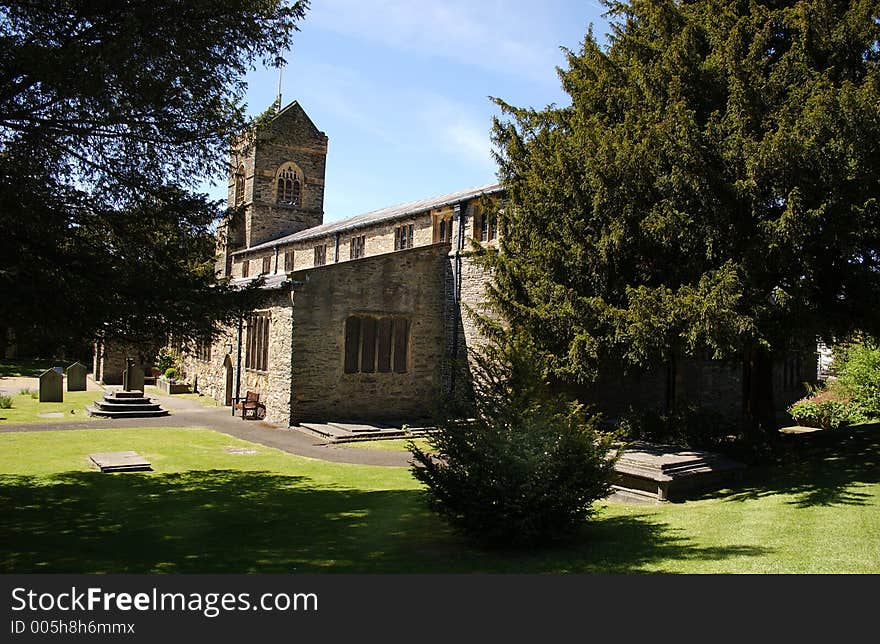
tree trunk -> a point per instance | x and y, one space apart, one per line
758 408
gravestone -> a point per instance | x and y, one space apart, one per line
76 377
51 386
133 378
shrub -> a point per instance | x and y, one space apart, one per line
171 373
826 409
27 391
165 360
5 401
858 373
526 469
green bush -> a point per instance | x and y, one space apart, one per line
171 373
858 373
27 391
827 410
5 401
526 469
165 360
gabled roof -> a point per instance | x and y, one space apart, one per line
294 109
391 213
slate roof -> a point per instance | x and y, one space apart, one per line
272 281
377 216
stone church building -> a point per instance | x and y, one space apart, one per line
365 318
363 322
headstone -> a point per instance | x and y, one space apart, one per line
51 386
76 377
133 378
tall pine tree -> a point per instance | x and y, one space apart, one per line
714 185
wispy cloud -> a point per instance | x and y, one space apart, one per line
498 36
458 130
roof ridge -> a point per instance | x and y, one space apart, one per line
387 213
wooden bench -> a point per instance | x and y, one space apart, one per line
252 405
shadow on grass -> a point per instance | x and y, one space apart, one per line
30 367
821 469
236 521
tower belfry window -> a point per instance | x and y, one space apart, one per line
289 190
239 185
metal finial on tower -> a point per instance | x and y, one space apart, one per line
279 63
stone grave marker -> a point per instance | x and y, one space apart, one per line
51 386
133 378
76 377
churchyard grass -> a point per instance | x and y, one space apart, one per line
29 367
206 508
26 409
390 445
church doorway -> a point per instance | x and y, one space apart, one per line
227 365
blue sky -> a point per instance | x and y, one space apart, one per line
401 88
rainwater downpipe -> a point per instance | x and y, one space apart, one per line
456 291
238 363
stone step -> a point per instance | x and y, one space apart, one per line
119 393
110 400
104 406
142 413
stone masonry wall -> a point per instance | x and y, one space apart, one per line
407 283
290 137
109 360
273 385
379 240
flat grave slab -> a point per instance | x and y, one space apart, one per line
666 473
358 427
120 462
335 432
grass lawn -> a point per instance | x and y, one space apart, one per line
205 509
390 445
30 367
27 410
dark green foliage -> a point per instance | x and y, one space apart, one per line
526 470
111 113
5 401
686 426
713 187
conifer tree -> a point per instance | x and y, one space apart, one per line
518 465
112 112
714 186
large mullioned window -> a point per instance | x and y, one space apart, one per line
376 343
256 356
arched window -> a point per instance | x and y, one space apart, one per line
289 184
239 185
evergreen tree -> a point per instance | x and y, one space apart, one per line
713 186
518 465
111 114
